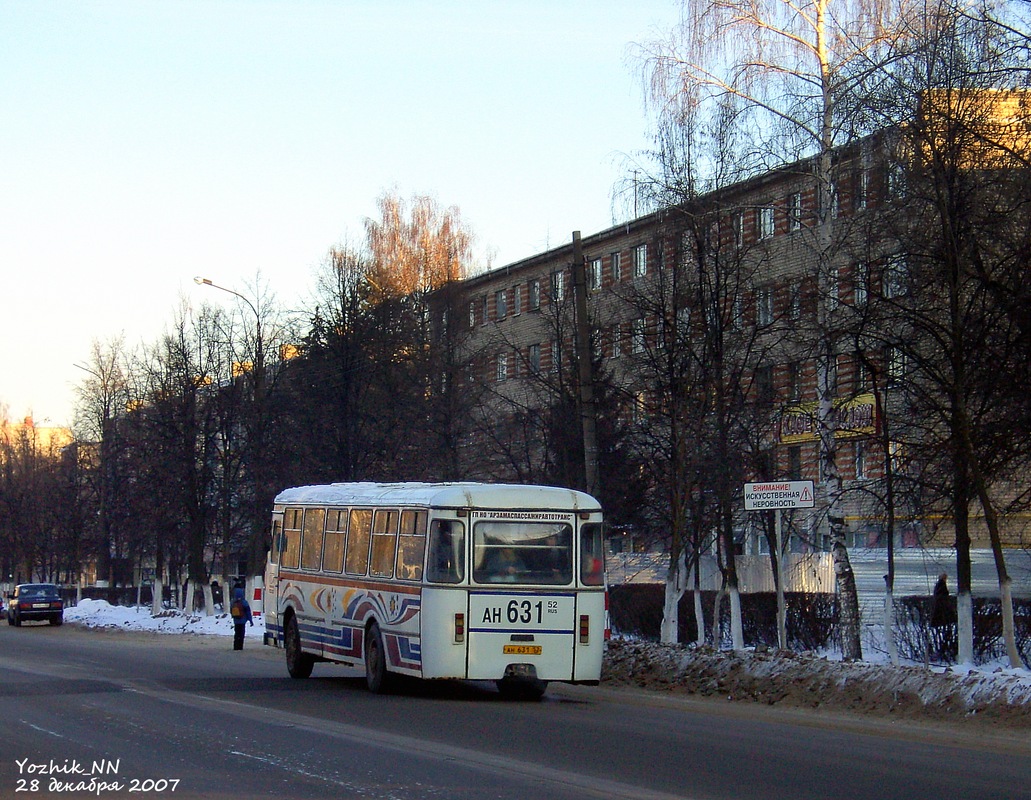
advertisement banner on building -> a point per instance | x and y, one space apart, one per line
854 417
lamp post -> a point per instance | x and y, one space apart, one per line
257 434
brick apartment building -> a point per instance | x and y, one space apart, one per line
742 261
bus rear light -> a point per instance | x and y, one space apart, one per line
459 628
585 629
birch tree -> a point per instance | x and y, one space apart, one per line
789 64
965 157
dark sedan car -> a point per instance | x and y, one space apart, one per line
37 601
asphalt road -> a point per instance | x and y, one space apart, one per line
122 715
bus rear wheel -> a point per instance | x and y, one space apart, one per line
377 678
298 663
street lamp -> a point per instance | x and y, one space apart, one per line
208 282
258 434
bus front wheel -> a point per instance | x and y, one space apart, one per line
298 663
377 678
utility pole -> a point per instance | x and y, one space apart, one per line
588 410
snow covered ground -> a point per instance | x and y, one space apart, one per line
101 614
991 693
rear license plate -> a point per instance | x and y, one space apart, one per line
41 605
522 650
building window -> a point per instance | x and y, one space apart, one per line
833 296
472 314
859 459
896 277
637 408
534 358
558 286
764 306
835 207
795 462
860 188
764 385
795 301
795 211
617 342
861 280
637 336
501 303
556 356
534 294
502 367
640 260
895 364
738 224
616 268
516 300
486 311
794 379
860 373
764 220
594 275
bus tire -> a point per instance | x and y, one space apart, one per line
377 677
298 663
521 689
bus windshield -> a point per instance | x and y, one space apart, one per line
536 553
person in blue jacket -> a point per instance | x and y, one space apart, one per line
240 610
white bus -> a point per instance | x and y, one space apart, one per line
439 580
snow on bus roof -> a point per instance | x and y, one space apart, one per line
447 495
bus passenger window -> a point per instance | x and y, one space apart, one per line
359 534
384 544
446 560
291 557
336 530
592 555
411 545
311 544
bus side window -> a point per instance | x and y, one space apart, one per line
291 557
358 541
592 555
384 543
446 560
311 540
336 533
411 545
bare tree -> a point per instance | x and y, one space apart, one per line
966 182
788 64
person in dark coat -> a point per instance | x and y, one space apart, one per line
240 610
941 608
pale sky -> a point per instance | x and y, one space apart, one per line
147 142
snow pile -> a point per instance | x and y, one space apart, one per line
808 681
101 614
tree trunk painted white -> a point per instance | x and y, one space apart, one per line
188 600
156 606
209 600
669 632
717 627
737 635
1008 629
699 613
965 627
889 627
